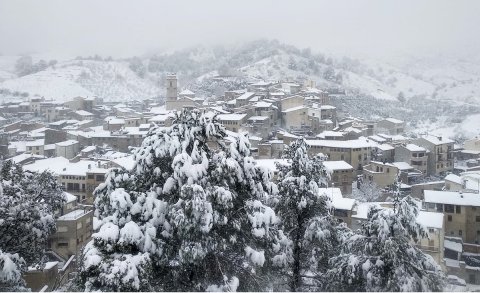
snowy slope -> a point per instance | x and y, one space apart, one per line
108 80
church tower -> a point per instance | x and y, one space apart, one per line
171 87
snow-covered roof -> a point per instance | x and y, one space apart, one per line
436 140
338 201
262 105
22 157
415 148
231 117
38 142
245 96
294 109
430 219
73 215
385 147
88 149
331 133
377 138
83 113
126 162
393 120
454 178
356 143
66 143
337 165
48 266
69 197
256 118
402 165
62 166
159 110
270 163
452 197
453 245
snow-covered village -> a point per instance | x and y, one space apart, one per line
240 146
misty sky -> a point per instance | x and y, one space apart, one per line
124 28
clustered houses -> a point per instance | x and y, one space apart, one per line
81 139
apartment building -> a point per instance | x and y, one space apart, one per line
382 174
391 126
440 157
74 230
341 175
472 144
36 147
232 122
357 153
295 118
67 149
414 155
462 212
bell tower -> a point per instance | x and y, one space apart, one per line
171 87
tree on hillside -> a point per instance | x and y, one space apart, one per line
28 202
401 97
23 66
188 217
382 257
314 234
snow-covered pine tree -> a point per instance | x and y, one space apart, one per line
11 268
187 218
314 234
28 202
382 256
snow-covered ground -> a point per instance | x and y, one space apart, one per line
108 80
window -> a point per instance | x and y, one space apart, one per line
100 178
449 218
458 209
431 205
440 207
431 230
62 229
477 219
449 208
62 244
460 232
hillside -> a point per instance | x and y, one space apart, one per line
110 80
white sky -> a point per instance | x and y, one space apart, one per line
124 28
